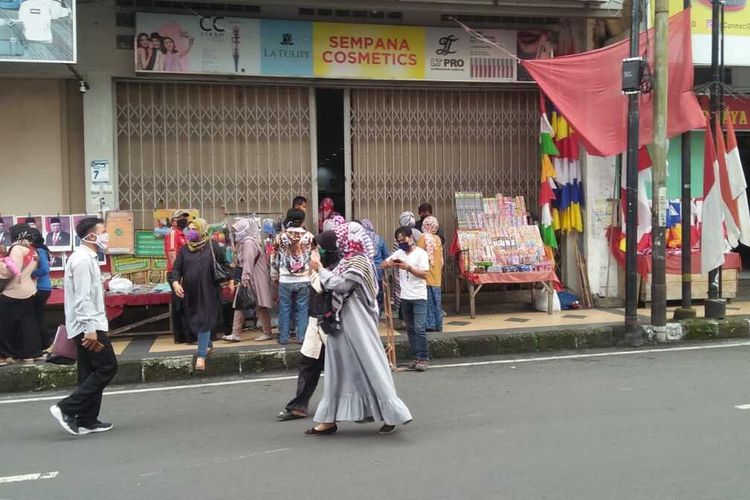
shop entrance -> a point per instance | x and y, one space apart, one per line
329 114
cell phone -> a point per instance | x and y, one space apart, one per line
398 261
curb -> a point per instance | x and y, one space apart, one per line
54 377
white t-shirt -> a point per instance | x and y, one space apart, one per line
412 288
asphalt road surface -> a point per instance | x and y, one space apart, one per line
650 425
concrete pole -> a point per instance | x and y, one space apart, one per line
659 172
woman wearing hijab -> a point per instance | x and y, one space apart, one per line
19 330
432 244
255 275
193 280
43 285
358 383
327 211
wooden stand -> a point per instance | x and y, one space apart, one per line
390 345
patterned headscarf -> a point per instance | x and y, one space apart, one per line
352 242
246 228
202 227
334 222
407 219
20 233
370 228
430 227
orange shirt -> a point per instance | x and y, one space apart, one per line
174 241
435 275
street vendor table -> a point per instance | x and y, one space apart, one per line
115 304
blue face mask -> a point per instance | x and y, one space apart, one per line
404 246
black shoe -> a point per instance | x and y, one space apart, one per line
328 432
67 422
387 429
367 420
97 427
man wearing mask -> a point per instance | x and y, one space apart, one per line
413 264
425 210
87 326
173 242
313 348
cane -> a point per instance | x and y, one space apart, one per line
390 339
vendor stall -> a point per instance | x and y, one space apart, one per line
494 243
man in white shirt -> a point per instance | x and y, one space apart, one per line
413 264
87 326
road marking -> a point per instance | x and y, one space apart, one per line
630 352
743 407
29 477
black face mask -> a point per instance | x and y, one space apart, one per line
182 223
329 259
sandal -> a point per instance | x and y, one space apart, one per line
326 432
200 364
387 429
285 416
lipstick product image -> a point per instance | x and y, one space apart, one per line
236 47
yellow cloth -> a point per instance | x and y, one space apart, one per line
435 274
548 169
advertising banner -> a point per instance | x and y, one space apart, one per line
302 49
39 31
121 229
736 30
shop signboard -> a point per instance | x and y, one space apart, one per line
303 49
736 109
38 31
126 264
736 30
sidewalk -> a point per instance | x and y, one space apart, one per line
158 359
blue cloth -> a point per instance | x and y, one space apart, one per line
381 254
300 293
415 312
434 319
41 273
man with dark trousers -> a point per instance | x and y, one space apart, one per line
87 326
313 348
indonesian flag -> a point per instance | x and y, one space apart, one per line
644 209
712 229
738 185
728 203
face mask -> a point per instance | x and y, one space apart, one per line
404 246
328 258
100 240
182 223
192 235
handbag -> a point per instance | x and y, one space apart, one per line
244 300
63 351
221 273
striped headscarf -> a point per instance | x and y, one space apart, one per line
370 228
407 219
430 227
353 243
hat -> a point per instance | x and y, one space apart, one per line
179 214
54 220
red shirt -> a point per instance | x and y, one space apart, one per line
174 241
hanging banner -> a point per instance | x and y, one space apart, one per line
302 49
38 31
121 229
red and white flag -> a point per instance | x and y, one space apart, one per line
644 208
728 203
738 185
712 228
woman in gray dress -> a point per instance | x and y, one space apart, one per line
358 383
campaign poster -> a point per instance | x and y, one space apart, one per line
57 232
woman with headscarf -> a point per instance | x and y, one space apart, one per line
381 253
19 330
326 211
43 285
255 275
333 222
193 279
406 219
358 383
432 244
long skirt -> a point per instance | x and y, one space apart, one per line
19 329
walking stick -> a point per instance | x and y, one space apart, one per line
390 339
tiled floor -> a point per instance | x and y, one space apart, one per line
512 321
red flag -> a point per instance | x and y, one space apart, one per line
712 229
728 205
738 183
587 89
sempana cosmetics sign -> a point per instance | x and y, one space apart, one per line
264 47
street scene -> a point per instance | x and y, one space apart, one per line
453 249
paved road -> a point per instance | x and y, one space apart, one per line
638 426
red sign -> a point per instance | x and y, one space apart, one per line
737 110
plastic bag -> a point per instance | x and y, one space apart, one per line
122 285
540 300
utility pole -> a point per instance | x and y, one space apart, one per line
633 332
716 307
686 310
659 174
